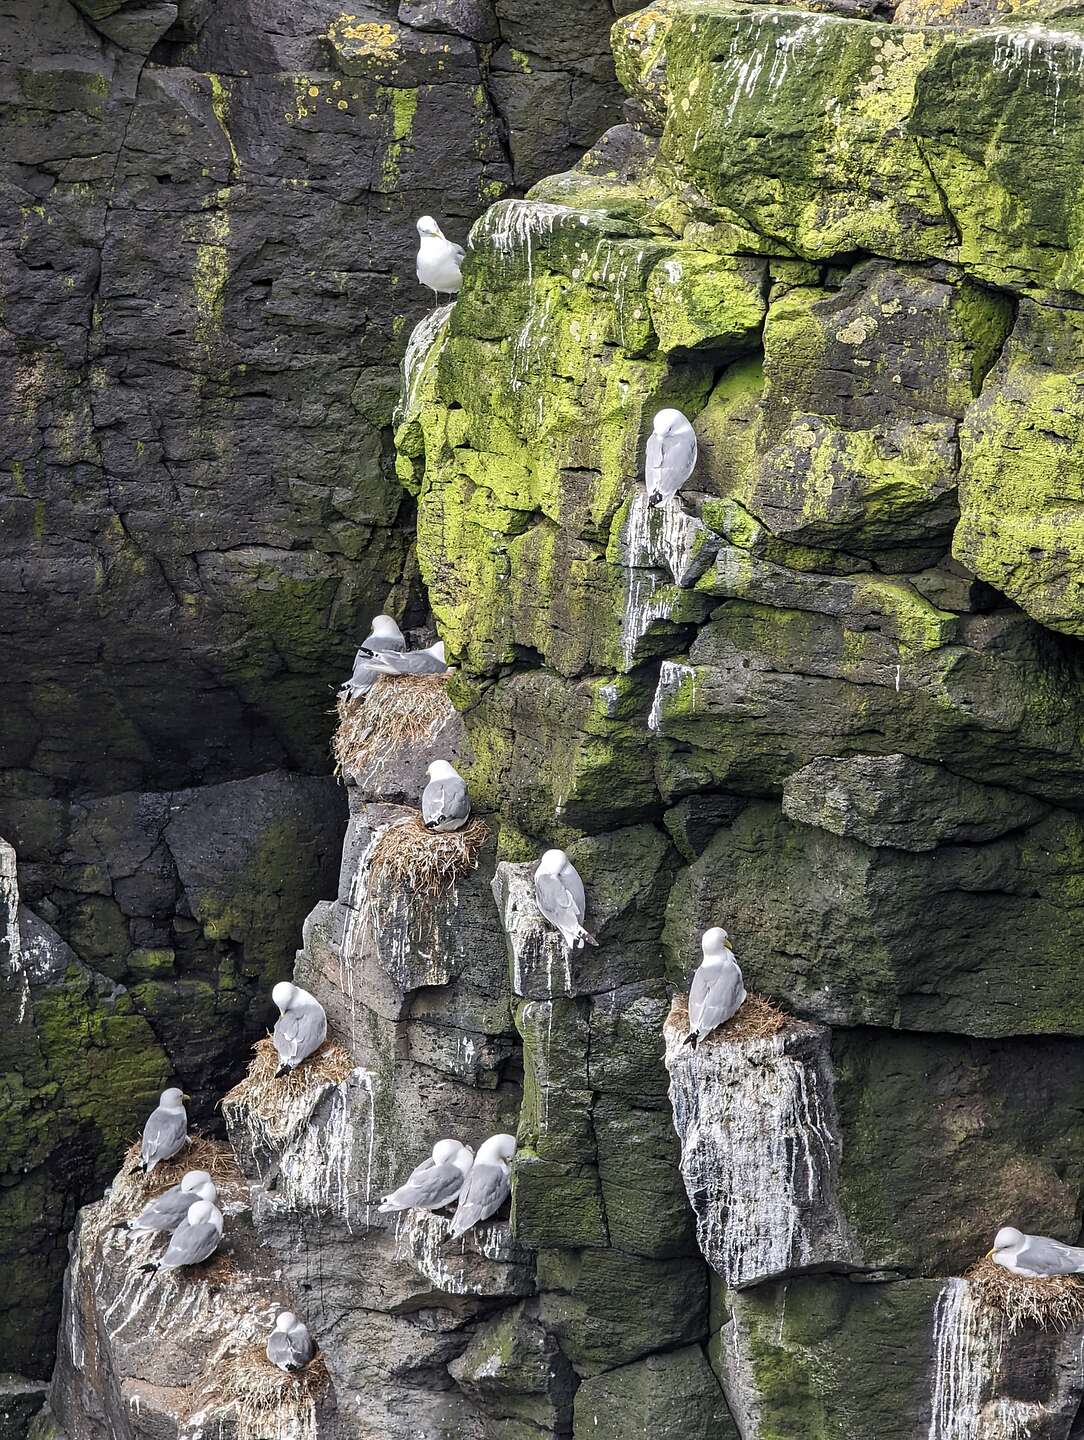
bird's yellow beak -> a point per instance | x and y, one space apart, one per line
989 1255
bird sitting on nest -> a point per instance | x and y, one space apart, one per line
289 1346
166 1130
301 1027
718 990
445 800
1035 1256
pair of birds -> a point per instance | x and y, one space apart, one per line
189 1214
478 1185
671 447
384 652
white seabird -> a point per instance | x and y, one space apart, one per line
166 1130
166 1211
717 991
559 892
289 1346
301 1027
195 1239
1035 1256
430 661
445 800
434 1183
439 259
671 456
488 1185
384 638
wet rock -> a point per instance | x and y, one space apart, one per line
760 1151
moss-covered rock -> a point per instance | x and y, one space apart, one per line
671 1397
1021 517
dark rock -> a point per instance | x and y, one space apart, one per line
892 800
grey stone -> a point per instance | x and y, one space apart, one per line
893 800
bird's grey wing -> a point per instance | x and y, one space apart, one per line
653 461
165 1211
724 995
191 1244
486 1189
375 644
679 457
458 250
433 804
300 1343
428 1189
163 1134
699 992
449 802
279 1350
570 877
1051 1257
554 901
298 1033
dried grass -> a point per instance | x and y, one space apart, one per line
268 1093
1051 1302
267 1402
758 1019
201 1153
424 863
398 711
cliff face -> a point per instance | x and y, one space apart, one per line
830 698
207 283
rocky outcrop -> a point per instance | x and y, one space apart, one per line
207 279
797 702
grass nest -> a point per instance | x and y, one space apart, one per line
1050 1302
267 1402
758 1019
266 1092
201 1153
398 711
424 863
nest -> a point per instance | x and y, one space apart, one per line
268 1402
398 711
757 1019
266 1092
425 863
1049 1302
200 1153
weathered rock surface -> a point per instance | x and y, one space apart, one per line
810 701
206 272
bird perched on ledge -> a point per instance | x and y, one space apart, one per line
166 1130
1035 1256
384 638
488 1185
434 1183
301 1027
718 990
439 259
445 800
559 892
166 1211
671 456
